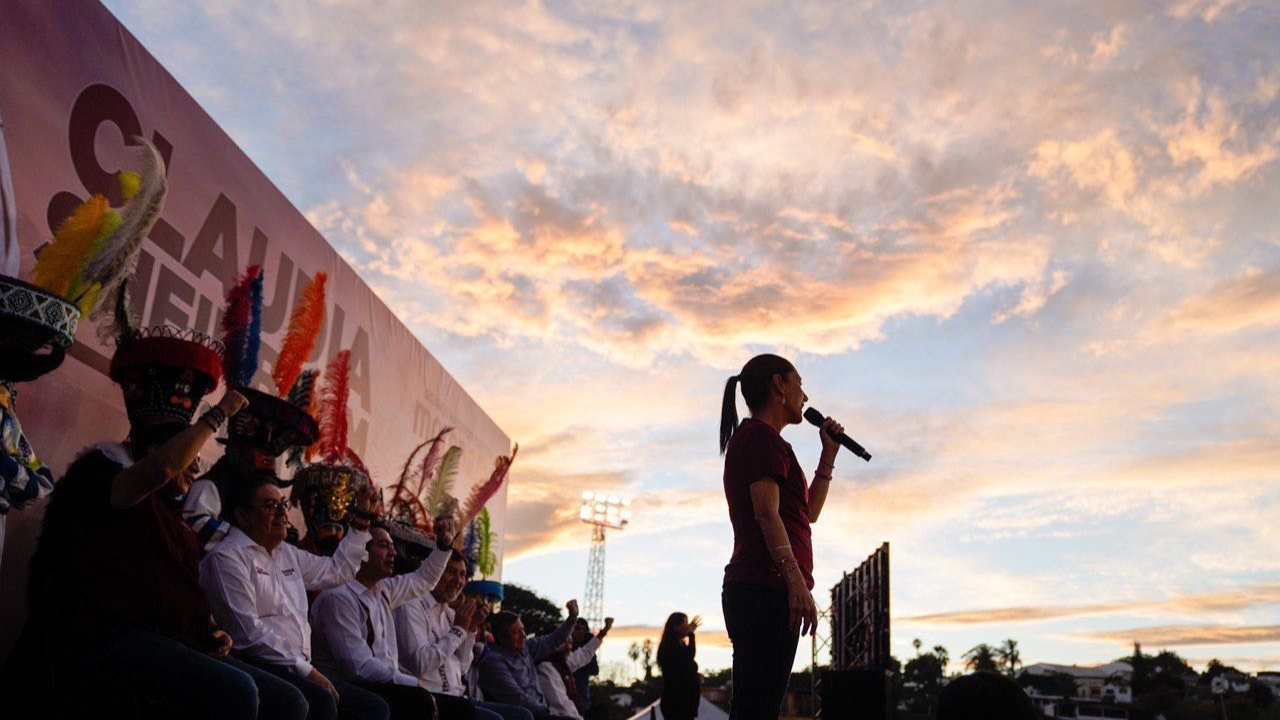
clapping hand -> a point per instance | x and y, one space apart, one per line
464 615
694 624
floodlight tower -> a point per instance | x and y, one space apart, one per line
600 511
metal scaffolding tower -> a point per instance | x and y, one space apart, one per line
593 607
601 511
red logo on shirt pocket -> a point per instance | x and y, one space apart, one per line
260 570
288 572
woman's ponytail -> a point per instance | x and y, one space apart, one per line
728 413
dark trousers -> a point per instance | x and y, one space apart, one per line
408 702
353 703
174 677
764 649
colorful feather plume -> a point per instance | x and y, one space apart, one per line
304 327
61 261
332 446
439 499
486 558
303 391
471 546
241 327
116 256
425 473
302 395
483 492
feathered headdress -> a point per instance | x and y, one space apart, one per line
303 395
408 502
482 493
304 327
332 445
96 248
242 329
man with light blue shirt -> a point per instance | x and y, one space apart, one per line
508 669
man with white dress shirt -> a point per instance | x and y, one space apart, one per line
354 630
257 585
437 644
555 673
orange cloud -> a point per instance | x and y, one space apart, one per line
1242 598
1181 635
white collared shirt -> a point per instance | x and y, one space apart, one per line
432 647
552 684
355 632
260 597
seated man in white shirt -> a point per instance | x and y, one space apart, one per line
257 585
437 644
354 630
555 673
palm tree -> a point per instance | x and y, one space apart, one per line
1009 657
981 657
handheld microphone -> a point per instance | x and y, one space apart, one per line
817 418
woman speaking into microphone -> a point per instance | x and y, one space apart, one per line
767 596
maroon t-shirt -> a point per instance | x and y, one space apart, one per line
757 452
137 567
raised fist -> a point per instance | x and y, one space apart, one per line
572 607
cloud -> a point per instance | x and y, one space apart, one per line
1242 598
1184 635
1251 299
1028 250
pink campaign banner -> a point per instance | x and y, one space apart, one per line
75 88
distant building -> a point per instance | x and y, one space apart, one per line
1230 684
1271 680
1109 683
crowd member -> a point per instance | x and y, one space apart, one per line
437 642
681 685
75 273
582 678
258 584
555 672
256 437
270 425
767 596
985 696
122 567
354 630
508 673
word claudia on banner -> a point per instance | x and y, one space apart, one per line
178 297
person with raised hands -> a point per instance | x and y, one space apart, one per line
258 584
555 672
508 669
353 629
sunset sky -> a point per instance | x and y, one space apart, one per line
1026 252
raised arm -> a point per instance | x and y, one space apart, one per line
541 647
826 465
164 463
